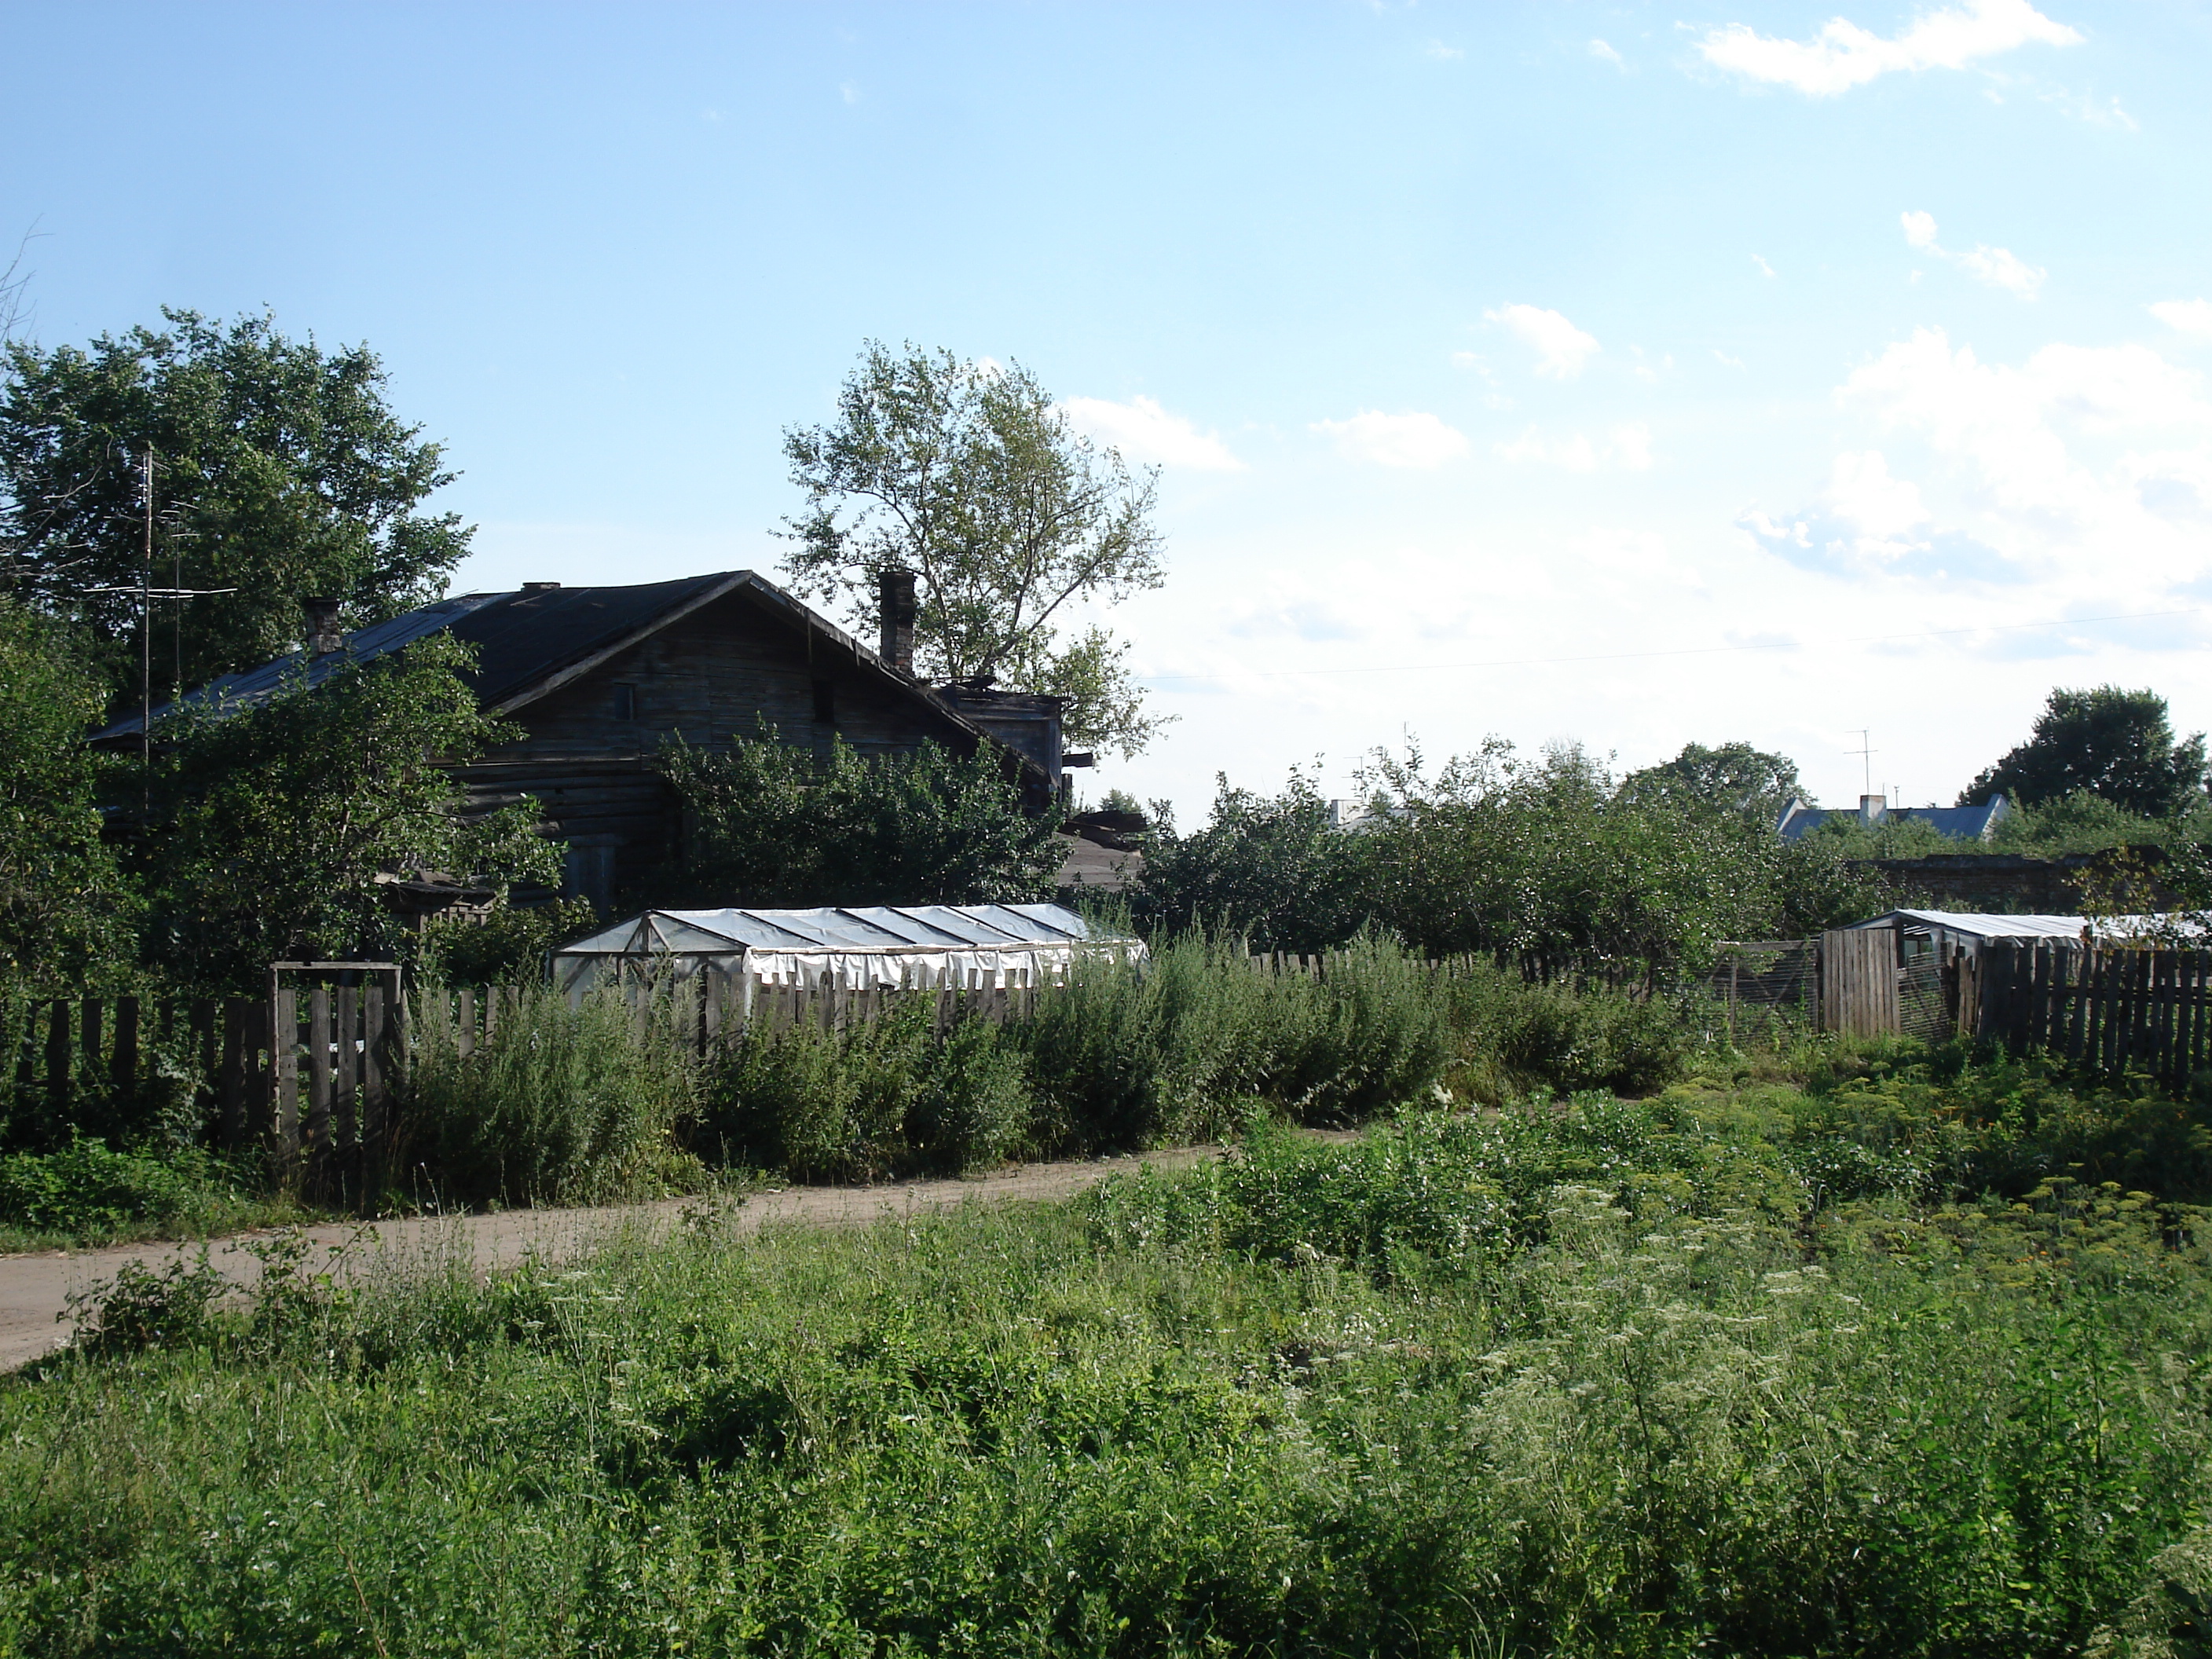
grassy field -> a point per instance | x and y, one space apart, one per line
1727 1372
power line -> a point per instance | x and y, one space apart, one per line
1693 651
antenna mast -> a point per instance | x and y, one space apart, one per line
146 635
1866 753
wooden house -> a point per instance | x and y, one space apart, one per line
598 678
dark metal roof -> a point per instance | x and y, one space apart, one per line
534 640
1959 823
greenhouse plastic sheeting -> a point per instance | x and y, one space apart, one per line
858 948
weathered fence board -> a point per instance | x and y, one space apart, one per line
2111 1008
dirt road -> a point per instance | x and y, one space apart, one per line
34 1289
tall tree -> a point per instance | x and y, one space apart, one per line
61 902
1734 778
968 474
2114 744
771 824
279 473
268 826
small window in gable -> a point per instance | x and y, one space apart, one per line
625 702
826 703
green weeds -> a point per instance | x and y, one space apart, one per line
1576 1379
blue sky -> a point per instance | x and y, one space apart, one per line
1511 367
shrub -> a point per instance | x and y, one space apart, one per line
86 1191
1192 1043
171 1306
880 1096
1514 1036
560 1105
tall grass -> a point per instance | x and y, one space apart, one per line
1194 1043
559 1104
888 1094
1511 1036
1566 1381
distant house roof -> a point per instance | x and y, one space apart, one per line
1959 823
535 640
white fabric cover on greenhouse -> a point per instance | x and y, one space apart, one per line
862 948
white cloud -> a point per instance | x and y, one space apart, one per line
1860 489
2002 268
1410 440
1631 445
1441 53
1625 447
1143 431
1765 269
2088 468
2190 317
1725 360
1561 349
1599 49
1999 267
849 92
1842 55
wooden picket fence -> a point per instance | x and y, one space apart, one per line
305 1076
2114 1009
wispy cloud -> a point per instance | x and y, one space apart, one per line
1765 269
2190 317
1599 49
1627 447
1406 441
1997 266
1143 431
1561 349
1842 55
1441 53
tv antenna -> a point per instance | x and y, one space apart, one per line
1866 752
147 593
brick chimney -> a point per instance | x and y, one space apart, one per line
325 636
896 607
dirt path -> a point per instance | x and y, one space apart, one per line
34 1289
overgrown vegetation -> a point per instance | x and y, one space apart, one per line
265 827
1731 1371
1548 865
559 1104
773 825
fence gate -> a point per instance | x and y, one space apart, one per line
1858 981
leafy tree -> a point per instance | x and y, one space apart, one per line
1543 864
280 473
1273 868
2086 823
267 826
968 474
62 902
2117 744
773 826
1734 778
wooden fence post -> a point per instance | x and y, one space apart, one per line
377 1027
284 1073
57 1061
123 1064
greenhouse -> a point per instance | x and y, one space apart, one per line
975 946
